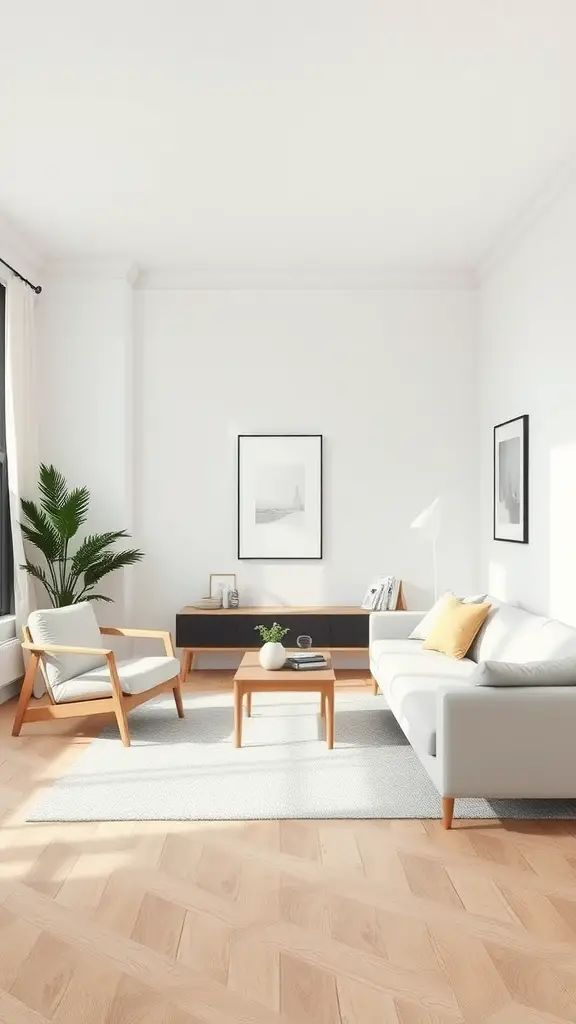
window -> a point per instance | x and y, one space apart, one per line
6 556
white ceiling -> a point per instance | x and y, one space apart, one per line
281 134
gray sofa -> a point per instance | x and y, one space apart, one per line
512 741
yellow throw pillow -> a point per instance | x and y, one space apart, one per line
454 631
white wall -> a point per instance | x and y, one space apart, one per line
387 378
85 360
528 365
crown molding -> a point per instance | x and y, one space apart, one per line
550 191
86 268
182 279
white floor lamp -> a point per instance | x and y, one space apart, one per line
429 522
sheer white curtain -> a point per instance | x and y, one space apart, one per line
21 431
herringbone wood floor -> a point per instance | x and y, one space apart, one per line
296 921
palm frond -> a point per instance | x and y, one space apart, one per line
72 514
53 488
108 562
95 597
40 531
92 547
38 573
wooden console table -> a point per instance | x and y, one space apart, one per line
332 628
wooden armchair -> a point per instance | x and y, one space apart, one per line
85 678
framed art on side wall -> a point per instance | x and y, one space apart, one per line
280 496
511 480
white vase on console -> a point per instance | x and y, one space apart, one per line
272 656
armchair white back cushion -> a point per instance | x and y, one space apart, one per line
72 626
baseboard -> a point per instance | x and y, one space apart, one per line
10 690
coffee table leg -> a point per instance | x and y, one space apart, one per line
237 715
322 704
330 718
249 703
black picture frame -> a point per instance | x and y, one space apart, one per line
242 556
517 427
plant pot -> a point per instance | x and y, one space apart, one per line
272 656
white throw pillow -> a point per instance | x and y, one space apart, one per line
425 626
556 672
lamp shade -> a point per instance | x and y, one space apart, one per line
429 519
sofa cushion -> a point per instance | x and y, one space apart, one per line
552 672
396 659
508 634
384 654
555 640
136 675
72 626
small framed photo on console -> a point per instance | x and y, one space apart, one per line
280 496
511 480
221 583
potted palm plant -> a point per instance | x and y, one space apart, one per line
51 525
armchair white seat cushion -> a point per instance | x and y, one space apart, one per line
136 676
73 626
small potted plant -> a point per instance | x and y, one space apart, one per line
272 653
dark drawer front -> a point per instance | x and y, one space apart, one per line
349 631
316 626
208 631
238 630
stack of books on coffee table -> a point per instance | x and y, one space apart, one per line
306 661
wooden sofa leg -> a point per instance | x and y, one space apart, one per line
447 811
374 687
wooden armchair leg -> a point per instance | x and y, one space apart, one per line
447 811
25 694
121 719
178 698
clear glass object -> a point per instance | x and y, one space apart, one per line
304 642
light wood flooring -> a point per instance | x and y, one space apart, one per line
301 922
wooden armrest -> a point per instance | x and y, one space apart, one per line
159 634
151 634
65 649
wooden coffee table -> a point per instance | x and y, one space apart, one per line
252 678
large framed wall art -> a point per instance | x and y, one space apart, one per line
280 496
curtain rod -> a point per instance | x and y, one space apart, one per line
35 287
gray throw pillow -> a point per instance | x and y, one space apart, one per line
556 672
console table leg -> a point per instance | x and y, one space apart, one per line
187 664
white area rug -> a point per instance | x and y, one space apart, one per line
180 770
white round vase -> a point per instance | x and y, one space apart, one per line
272 656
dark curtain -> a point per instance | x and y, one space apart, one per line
6 556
